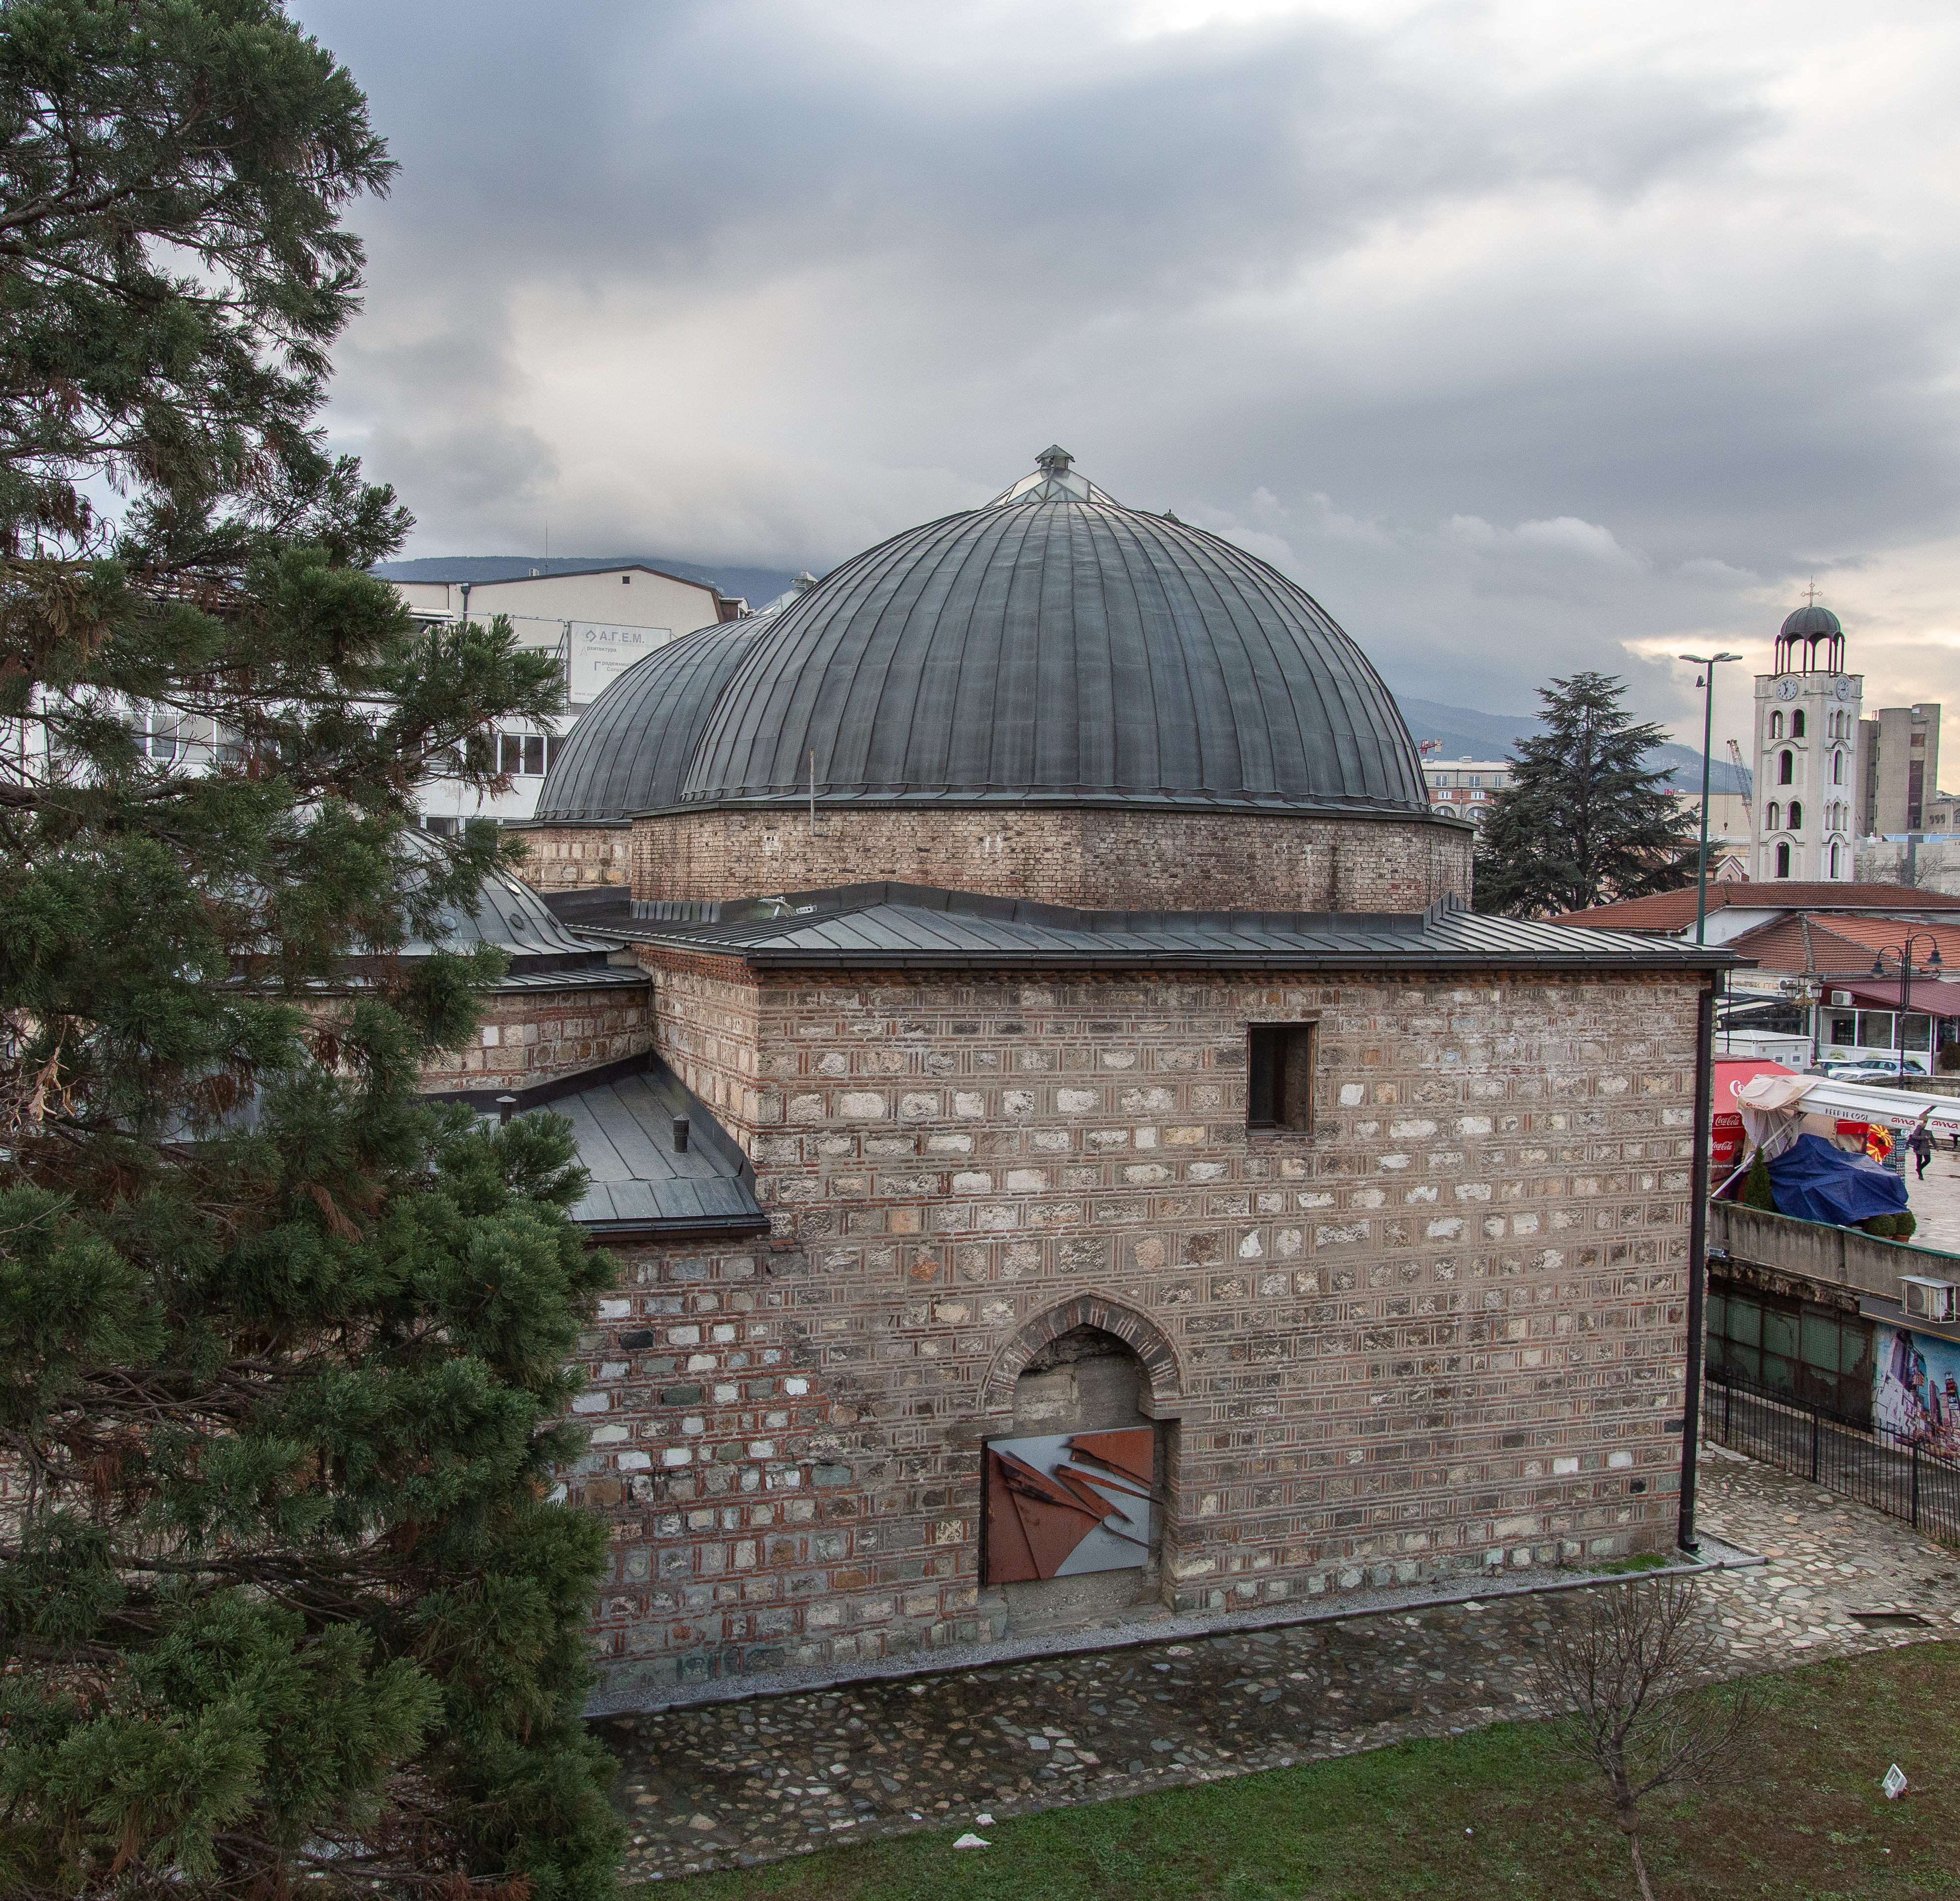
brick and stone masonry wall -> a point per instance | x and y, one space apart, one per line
1442 1331
571 858
1125 859
527 1036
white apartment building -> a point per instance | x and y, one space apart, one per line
598 620
1462 788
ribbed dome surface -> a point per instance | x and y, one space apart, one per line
1052 649
1810 621
629 750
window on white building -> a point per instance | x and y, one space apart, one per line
528 755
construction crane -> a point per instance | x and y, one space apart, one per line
1742 784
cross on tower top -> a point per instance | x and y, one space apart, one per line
1813 596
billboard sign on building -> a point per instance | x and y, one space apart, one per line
601 651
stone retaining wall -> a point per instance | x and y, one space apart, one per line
1129 859
1444 1327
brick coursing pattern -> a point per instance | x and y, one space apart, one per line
529 1036
1443 1329
1125 859
571 858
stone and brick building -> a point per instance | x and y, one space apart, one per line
1066 1031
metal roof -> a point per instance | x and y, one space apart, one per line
630 748
1051 649
1812 621
912 927
640 1182
507 913
622 1121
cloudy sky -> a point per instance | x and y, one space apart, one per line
1529 335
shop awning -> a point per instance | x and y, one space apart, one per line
1931 996
1862 1101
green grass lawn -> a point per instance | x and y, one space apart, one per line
1503 1812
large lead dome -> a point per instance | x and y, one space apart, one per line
1052 648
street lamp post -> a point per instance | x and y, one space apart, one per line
1902 954
1704 1071
1707 679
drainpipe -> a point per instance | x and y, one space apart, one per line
1697 1256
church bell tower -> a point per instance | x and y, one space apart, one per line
1806 755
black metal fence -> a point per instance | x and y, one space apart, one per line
1873 1464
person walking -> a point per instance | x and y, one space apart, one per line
1920 1143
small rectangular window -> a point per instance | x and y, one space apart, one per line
510 752
552 742
1279 1093
534 754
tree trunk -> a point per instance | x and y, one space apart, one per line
1640 1867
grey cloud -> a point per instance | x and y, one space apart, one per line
748 281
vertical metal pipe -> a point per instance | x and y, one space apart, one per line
1698 1255
1708 739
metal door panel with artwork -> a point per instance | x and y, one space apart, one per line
1066 1504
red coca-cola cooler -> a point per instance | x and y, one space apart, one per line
1725 1151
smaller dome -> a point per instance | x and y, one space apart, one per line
1812 623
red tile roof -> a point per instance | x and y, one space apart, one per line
1841 946
1671 910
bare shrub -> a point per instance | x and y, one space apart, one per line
1634 1666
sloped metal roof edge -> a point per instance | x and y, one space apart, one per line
1455 941
967 798
660 1227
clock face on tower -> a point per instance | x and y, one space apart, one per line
1786 689
1843 689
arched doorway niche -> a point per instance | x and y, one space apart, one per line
1082 1421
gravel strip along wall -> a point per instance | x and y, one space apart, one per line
738 1783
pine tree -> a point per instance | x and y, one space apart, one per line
1583 821
283 1596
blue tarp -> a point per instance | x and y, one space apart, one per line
1814 1181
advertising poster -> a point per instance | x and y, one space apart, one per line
1918 1387
601 651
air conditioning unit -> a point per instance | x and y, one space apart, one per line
1841 999
1925 1299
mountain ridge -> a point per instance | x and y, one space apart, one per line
1464 732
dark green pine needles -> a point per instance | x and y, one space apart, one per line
1583 821
283 1594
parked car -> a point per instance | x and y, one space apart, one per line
1872 1071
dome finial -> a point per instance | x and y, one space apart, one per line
1053 480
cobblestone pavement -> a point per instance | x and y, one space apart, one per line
1935 1202
738 1783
